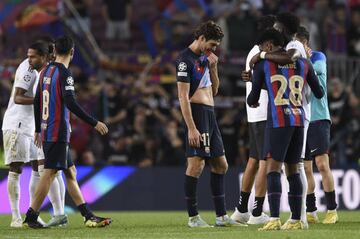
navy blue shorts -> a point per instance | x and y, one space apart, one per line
284 144
57 155
256 139
205 121
318 139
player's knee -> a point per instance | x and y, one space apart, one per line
308 168
15 167
322 165
221 168
252 165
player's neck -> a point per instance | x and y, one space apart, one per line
65 60
194 47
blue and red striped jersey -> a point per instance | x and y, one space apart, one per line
55 83
285 85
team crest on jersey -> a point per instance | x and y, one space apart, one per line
27 78
182 66
70 80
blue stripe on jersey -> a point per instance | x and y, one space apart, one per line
302 74
67 123
52 105
285 73
275 120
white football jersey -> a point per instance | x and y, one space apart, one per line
259 113
295 44
21 117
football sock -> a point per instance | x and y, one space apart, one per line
295 196
14 193
85 211
34 181
32 215
304 192
311 202
243 202
61 183
274 193
330 200
190 187
217 188
258 206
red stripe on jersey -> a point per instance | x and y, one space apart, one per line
41 103
47 86
55 134
279 109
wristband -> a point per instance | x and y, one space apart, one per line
262 55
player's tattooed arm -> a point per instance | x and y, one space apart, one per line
20 97
194 135
213 70
279 57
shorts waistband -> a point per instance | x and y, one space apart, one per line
202 106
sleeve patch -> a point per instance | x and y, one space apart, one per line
70 81
181 73
182 66
69 87
27 78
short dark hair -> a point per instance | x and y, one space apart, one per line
265 22
63 45
303 33
290 21
271 35
210 30
40 47
49 41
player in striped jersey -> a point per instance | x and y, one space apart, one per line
318 142
285 124
54 100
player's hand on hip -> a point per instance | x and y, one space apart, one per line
213 59
101 128
246 76
37 140
194 137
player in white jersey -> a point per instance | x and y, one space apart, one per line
256 165
288 24
18 133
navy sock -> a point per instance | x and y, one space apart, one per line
258 206
295 195
243 202
274 192
85 211
190 186
218 193
32 215
311 202
330 200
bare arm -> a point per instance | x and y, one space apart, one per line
281 58
194 135
20 97
183 93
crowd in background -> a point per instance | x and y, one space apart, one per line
134 91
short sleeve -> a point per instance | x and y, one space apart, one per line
183 70
298 46
25 78
67 84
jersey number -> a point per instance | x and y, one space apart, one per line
45 110
296 84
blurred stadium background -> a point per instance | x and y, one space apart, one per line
124 73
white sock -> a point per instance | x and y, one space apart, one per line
60 180
54 195
14 194
305 188
34 181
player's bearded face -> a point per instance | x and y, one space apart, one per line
209 45
35 60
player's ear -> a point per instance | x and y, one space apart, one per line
72 52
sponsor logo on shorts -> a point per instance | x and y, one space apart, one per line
313 150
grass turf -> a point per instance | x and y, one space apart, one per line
173 225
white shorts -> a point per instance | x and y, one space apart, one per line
20 148
306 127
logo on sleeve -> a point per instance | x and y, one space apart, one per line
182 66
27 78
70 80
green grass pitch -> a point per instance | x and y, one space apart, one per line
173 225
